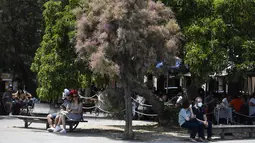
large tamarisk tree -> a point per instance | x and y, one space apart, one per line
126 38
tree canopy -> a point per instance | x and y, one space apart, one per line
126 38
219 35
56 62
21 31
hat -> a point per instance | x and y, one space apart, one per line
65 93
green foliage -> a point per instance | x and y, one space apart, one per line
20 28
56 62
218 33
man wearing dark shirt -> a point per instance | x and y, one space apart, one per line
199 112
7 100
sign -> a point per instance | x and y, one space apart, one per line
6 76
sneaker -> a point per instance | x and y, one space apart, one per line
192 140
57 129
209 139
10 114
201 140
51 129
63 131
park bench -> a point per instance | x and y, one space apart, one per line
223 129
39 115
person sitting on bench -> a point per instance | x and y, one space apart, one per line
7 100
54 116
188 121
73 112
21 99
199 112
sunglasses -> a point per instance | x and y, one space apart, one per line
75 96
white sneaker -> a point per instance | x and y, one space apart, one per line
57 129
51 129
63 131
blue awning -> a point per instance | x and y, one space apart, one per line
178 62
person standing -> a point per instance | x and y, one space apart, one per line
252 108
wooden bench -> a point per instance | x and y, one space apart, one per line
222 129
39 115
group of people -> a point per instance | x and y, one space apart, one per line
13 102
193 118
243 107
71 109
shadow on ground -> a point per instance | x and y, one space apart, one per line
144 133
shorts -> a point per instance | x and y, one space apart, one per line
53 115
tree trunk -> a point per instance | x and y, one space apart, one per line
156 105
151 98
128 133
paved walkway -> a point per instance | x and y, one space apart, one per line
96 131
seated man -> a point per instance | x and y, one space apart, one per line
187 120
17 102
199 112
54 116
7 100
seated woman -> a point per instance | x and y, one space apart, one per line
73 112
188 121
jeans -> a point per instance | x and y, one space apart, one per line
209 129
195 127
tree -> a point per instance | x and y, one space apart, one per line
204 31
55 62
126 38
219 34
20 28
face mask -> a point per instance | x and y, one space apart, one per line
199 104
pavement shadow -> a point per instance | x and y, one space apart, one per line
143 133
107 133
35 129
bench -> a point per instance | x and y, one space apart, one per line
39 115
222 129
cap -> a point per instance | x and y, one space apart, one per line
73 92
65 93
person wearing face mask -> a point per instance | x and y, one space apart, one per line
199 112
188 121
